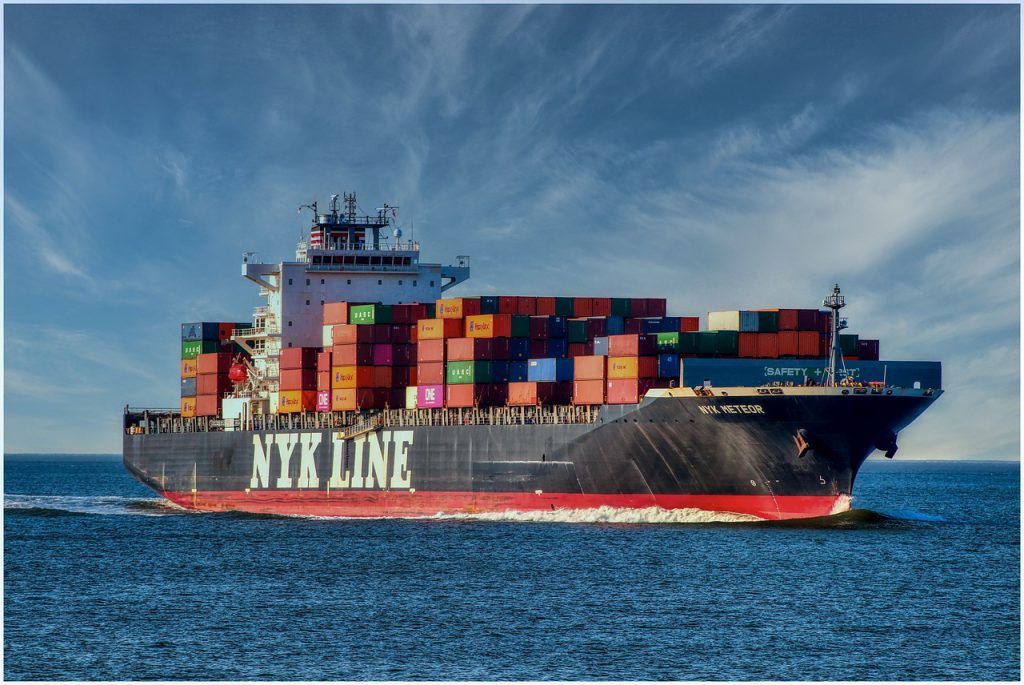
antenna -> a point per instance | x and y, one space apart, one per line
835 302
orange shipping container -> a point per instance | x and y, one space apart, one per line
468 349
347 334
589 368
323 380
413 380
188 368
526 306
545 306
489 326
689 324
436 329
747 345
430 374
809 343
789 343
213 362
188 407
627 390
207 405
588 392
767 345
352 377
430 351
297 379
522 394
335 313
343 399
212 384
601 306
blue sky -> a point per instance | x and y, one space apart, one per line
721 156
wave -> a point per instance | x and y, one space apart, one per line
859 518
106 505
648 515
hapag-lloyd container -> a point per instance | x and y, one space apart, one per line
189 368
458 307
430 396
352 376
188 407
488 326
436 329
632 367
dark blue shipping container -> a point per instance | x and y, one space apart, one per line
666 324
668 365
601 346
557 347
557 327
499 372
518 348
518 372
488 305
200 330
188 387
755 372
548 370
616 325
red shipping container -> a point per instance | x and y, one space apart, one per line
809 343
767 345
508 304
323 380
224 331
824 322
298 358
400 376
352 355
382 376
601 306
207 405
522 394
323 361
335 313
538 349
430 351
383 355
634 345
212 384
539 326
213 362
597 328
637 307
588 392
789 343
807 319
689 324
582 306
500 349
468 349
412 380
627 390
632 326
747 345
589 368
657 306
348 334
789 319
481 394
298 379
526 306
580 349
431 373
401 314
545 306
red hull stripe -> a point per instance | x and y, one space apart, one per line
406 503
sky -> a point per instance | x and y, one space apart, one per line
724 157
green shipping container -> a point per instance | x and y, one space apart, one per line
461 373
767 322
520 326
848 344
563 306
190 349
727 343
431 310
620 306
369 314
669 342
689 342
706 343
577 332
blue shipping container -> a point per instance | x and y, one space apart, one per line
616 325
754 372
188 387
549 370
557 347
518 348
499 372
668 365
557 327
200 330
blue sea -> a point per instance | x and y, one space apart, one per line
102 580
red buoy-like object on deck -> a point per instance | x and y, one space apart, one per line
237 372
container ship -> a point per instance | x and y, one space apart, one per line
363 388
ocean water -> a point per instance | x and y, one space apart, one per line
104 581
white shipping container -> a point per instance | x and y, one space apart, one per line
734 320
327 339
410 396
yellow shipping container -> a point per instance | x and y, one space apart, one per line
343 399
188 407
450 308
429 329
292 401
188 368
351 377
622 367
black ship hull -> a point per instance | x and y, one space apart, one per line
775 456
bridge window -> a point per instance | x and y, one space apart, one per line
307 281
289 281
349 282
431 284
414 284
307 303
399 281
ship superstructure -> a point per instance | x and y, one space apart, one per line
346 257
